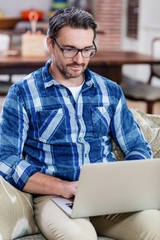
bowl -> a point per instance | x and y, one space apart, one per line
25 14
8 22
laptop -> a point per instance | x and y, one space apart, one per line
114 187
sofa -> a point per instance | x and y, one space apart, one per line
16 207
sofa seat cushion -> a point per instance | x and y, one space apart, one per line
32 237
16 212
40 237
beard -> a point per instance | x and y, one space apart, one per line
72 70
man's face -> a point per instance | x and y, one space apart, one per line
71 38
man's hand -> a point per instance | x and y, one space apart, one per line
67 189
40 183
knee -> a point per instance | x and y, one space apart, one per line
151 225
79 230
55 224
148 225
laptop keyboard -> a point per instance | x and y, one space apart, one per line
70 204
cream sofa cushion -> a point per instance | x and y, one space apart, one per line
16 212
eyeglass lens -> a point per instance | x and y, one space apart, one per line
86 53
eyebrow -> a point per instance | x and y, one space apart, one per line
71 46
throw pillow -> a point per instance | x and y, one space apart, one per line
150 126
16 212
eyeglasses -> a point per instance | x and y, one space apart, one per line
69 52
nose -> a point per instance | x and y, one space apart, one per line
79 58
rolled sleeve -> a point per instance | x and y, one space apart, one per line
17 171
13 131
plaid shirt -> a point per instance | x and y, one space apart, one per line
43 129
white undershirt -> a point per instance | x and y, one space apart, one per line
75 91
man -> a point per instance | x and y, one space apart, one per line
61 117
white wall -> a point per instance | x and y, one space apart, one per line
14 7
149 27
149 23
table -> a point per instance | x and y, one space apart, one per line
110 63
107 63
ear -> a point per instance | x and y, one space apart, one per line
49 44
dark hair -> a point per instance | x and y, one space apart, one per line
73 17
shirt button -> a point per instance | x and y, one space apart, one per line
85 155
80 139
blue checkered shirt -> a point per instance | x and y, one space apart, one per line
43 129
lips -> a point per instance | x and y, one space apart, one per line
76 66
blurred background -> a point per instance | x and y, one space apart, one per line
122 24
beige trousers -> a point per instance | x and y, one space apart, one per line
56 225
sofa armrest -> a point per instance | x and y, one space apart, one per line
16 212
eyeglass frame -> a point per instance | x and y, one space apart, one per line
94 48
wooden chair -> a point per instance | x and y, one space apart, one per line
155 51
138 91
4 86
